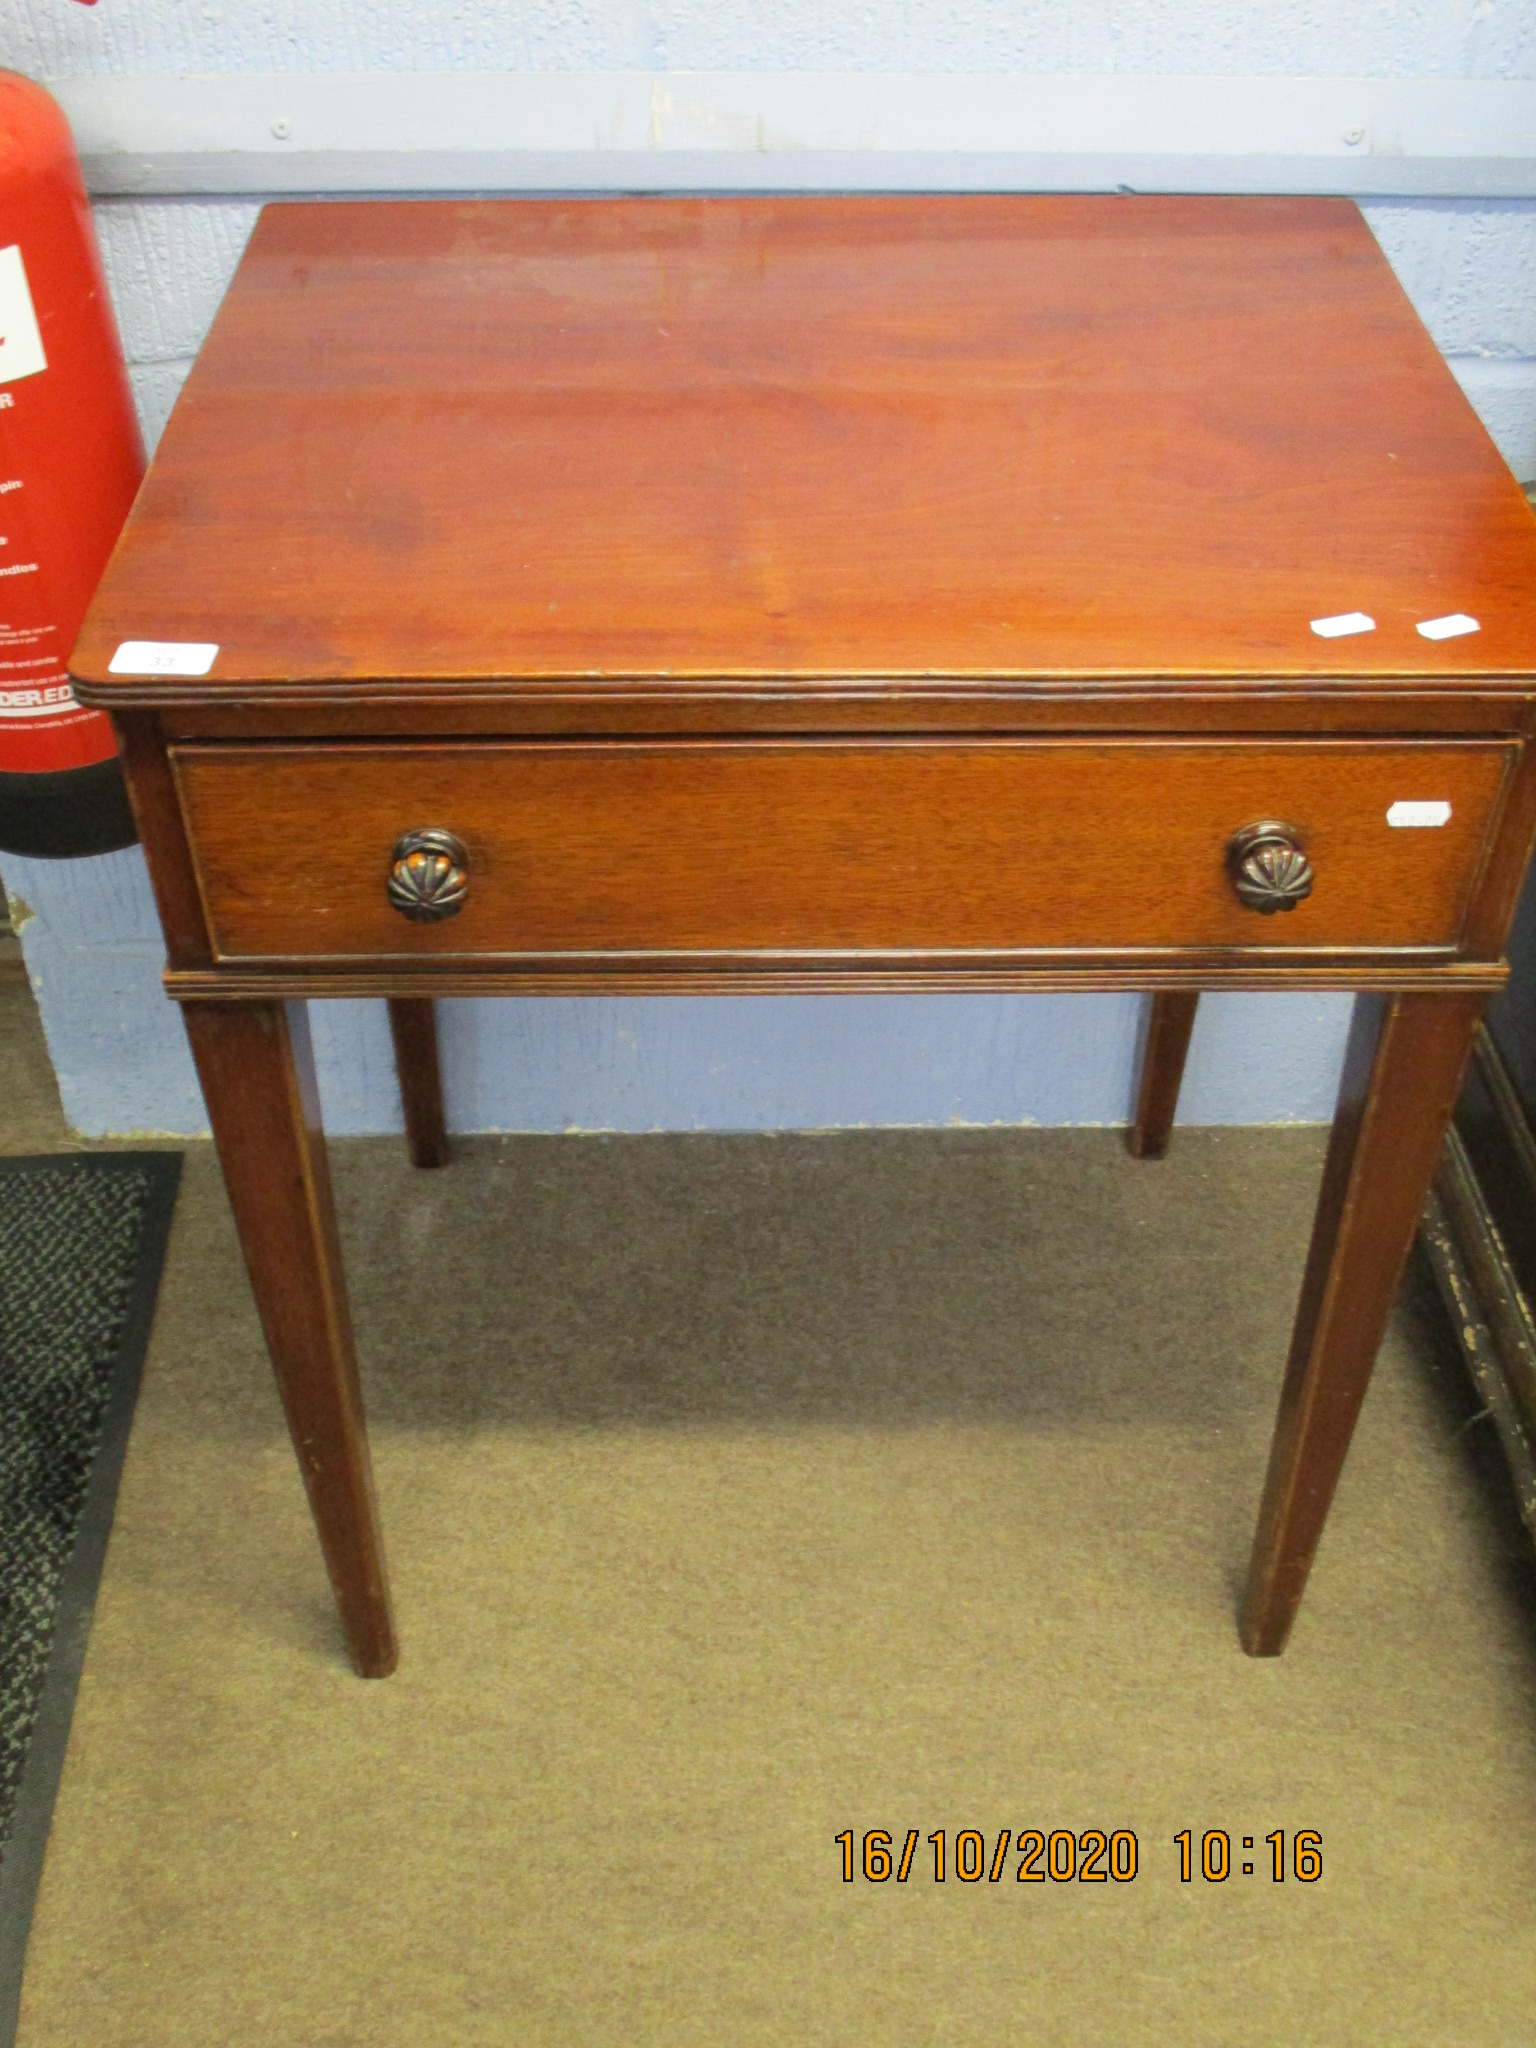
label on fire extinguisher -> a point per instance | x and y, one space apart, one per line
21 345
42 725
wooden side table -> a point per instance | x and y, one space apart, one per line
816 594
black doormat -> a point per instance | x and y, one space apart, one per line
82 1241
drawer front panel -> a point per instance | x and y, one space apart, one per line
885 848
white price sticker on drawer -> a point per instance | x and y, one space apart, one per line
1411 813
163 658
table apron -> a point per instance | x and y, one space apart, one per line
955 862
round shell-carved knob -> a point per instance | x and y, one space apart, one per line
428 876
1268 867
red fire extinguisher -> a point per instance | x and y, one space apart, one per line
70 463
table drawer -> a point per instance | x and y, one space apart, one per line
833 848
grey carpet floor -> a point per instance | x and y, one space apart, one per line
70 1236
82 1239
740 1491
31 1119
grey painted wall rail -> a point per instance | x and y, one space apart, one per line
390 131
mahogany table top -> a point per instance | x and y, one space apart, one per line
502 441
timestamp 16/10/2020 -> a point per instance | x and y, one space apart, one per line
1061 1856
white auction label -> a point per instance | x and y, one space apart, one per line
164 658
21 346
1407 811
1342 623
1451 627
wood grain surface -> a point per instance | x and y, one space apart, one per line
1165 1048
1069 436
413 1030
257 1071
633 847
360 710
1402 1071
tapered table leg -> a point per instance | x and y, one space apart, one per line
1402 1073
413 1025
258 1077
1162 1069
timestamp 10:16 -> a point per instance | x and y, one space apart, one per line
1215 1855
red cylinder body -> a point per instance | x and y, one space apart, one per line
70 453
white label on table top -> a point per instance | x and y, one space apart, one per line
21 346
1342 623
1411 811
1451 627
164 658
